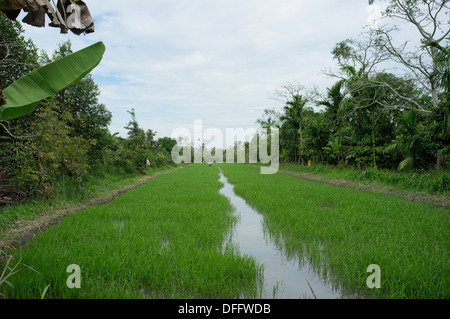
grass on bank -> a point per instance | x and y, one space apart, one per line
66 193
161 240
431 182
342 231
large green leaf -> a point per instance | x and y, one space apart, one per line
23 95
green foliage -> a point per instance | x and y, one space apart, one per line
335 148
138 151
365 123
294 120
316 137
67 136
18 56
47 80
441 74
167 144
133 126
414 141
90 118
130 155
46 149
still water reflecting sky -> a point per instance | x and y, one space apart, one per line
286 275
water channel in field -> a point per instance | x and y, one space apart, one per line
284 277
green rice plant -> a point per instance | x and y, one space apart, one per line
9 271
67 193
161 240
342 231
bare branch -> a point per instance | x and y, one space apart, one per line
393 90
13 136
288 90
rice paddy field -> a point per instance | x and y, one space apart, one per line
168 239
161 240
342 231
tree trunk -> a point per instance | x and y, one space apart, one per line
373 149
2 98
434 92
441 162
434 96
301 146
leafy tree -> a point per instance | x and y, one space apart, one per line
270 120
375 97
293 123
90 119
441 73
334 112
133 126
45 151
135 150
333 103
18 56
81 100
359 62
166 144
317 134
334 147
150 138
426 17
406 143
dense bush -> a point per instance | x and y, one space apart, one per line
45 149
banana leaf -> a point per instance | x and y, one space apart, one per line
23 95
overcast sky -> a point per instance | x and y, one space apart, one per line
219 61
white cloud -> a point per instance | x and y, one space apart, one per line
218 61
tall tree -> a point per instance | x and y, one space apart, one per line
360 61
334 111
133 125
428 18
269 120
374 96
333 103
293 121
18 56
408 139
317 134
89 118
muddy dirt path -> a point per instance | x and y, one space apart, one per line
434 199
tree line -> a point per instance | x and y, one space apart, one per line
375 116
